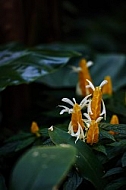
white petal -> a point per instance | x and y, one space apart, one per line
89 63
89 108
67 100
76 69
99 119
74 100
85 101
87 116
90 85
66 109
103 83
103 110
50 128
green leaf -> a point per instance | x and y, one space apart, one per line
25 143
116 184
74 180
113 171
124 160
105 134
100 148
104 65
42 168
87 163
116 148
27 65
119 128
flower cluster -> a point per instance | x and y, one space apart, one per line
86 128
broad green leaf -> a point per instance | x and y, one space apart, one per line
63 77
42 168
110 64
103 66
87 163
27 65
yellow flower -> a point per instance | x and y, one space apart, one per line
76 125
107 89
96 107
95 112
83 74
35 129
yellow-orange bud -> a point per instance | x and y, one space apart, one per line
114 119
35 129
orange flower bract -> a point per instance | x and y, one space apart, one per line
93 133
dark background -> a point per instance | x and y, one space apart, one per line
44 21
101 25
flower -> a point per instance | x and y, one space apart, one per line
94 106
107 89
94 112
86 129
76 125
83 74
35 129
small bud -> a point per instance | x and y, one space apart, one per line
114 119
35 129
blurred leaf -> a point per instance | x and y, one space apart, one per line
113 65
74 180
19 136
42 168
124 160
26 65
25 143
87 163
113 171
2 183
104 65
17 142
119 128
116 184
105 134
116 148
100 148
